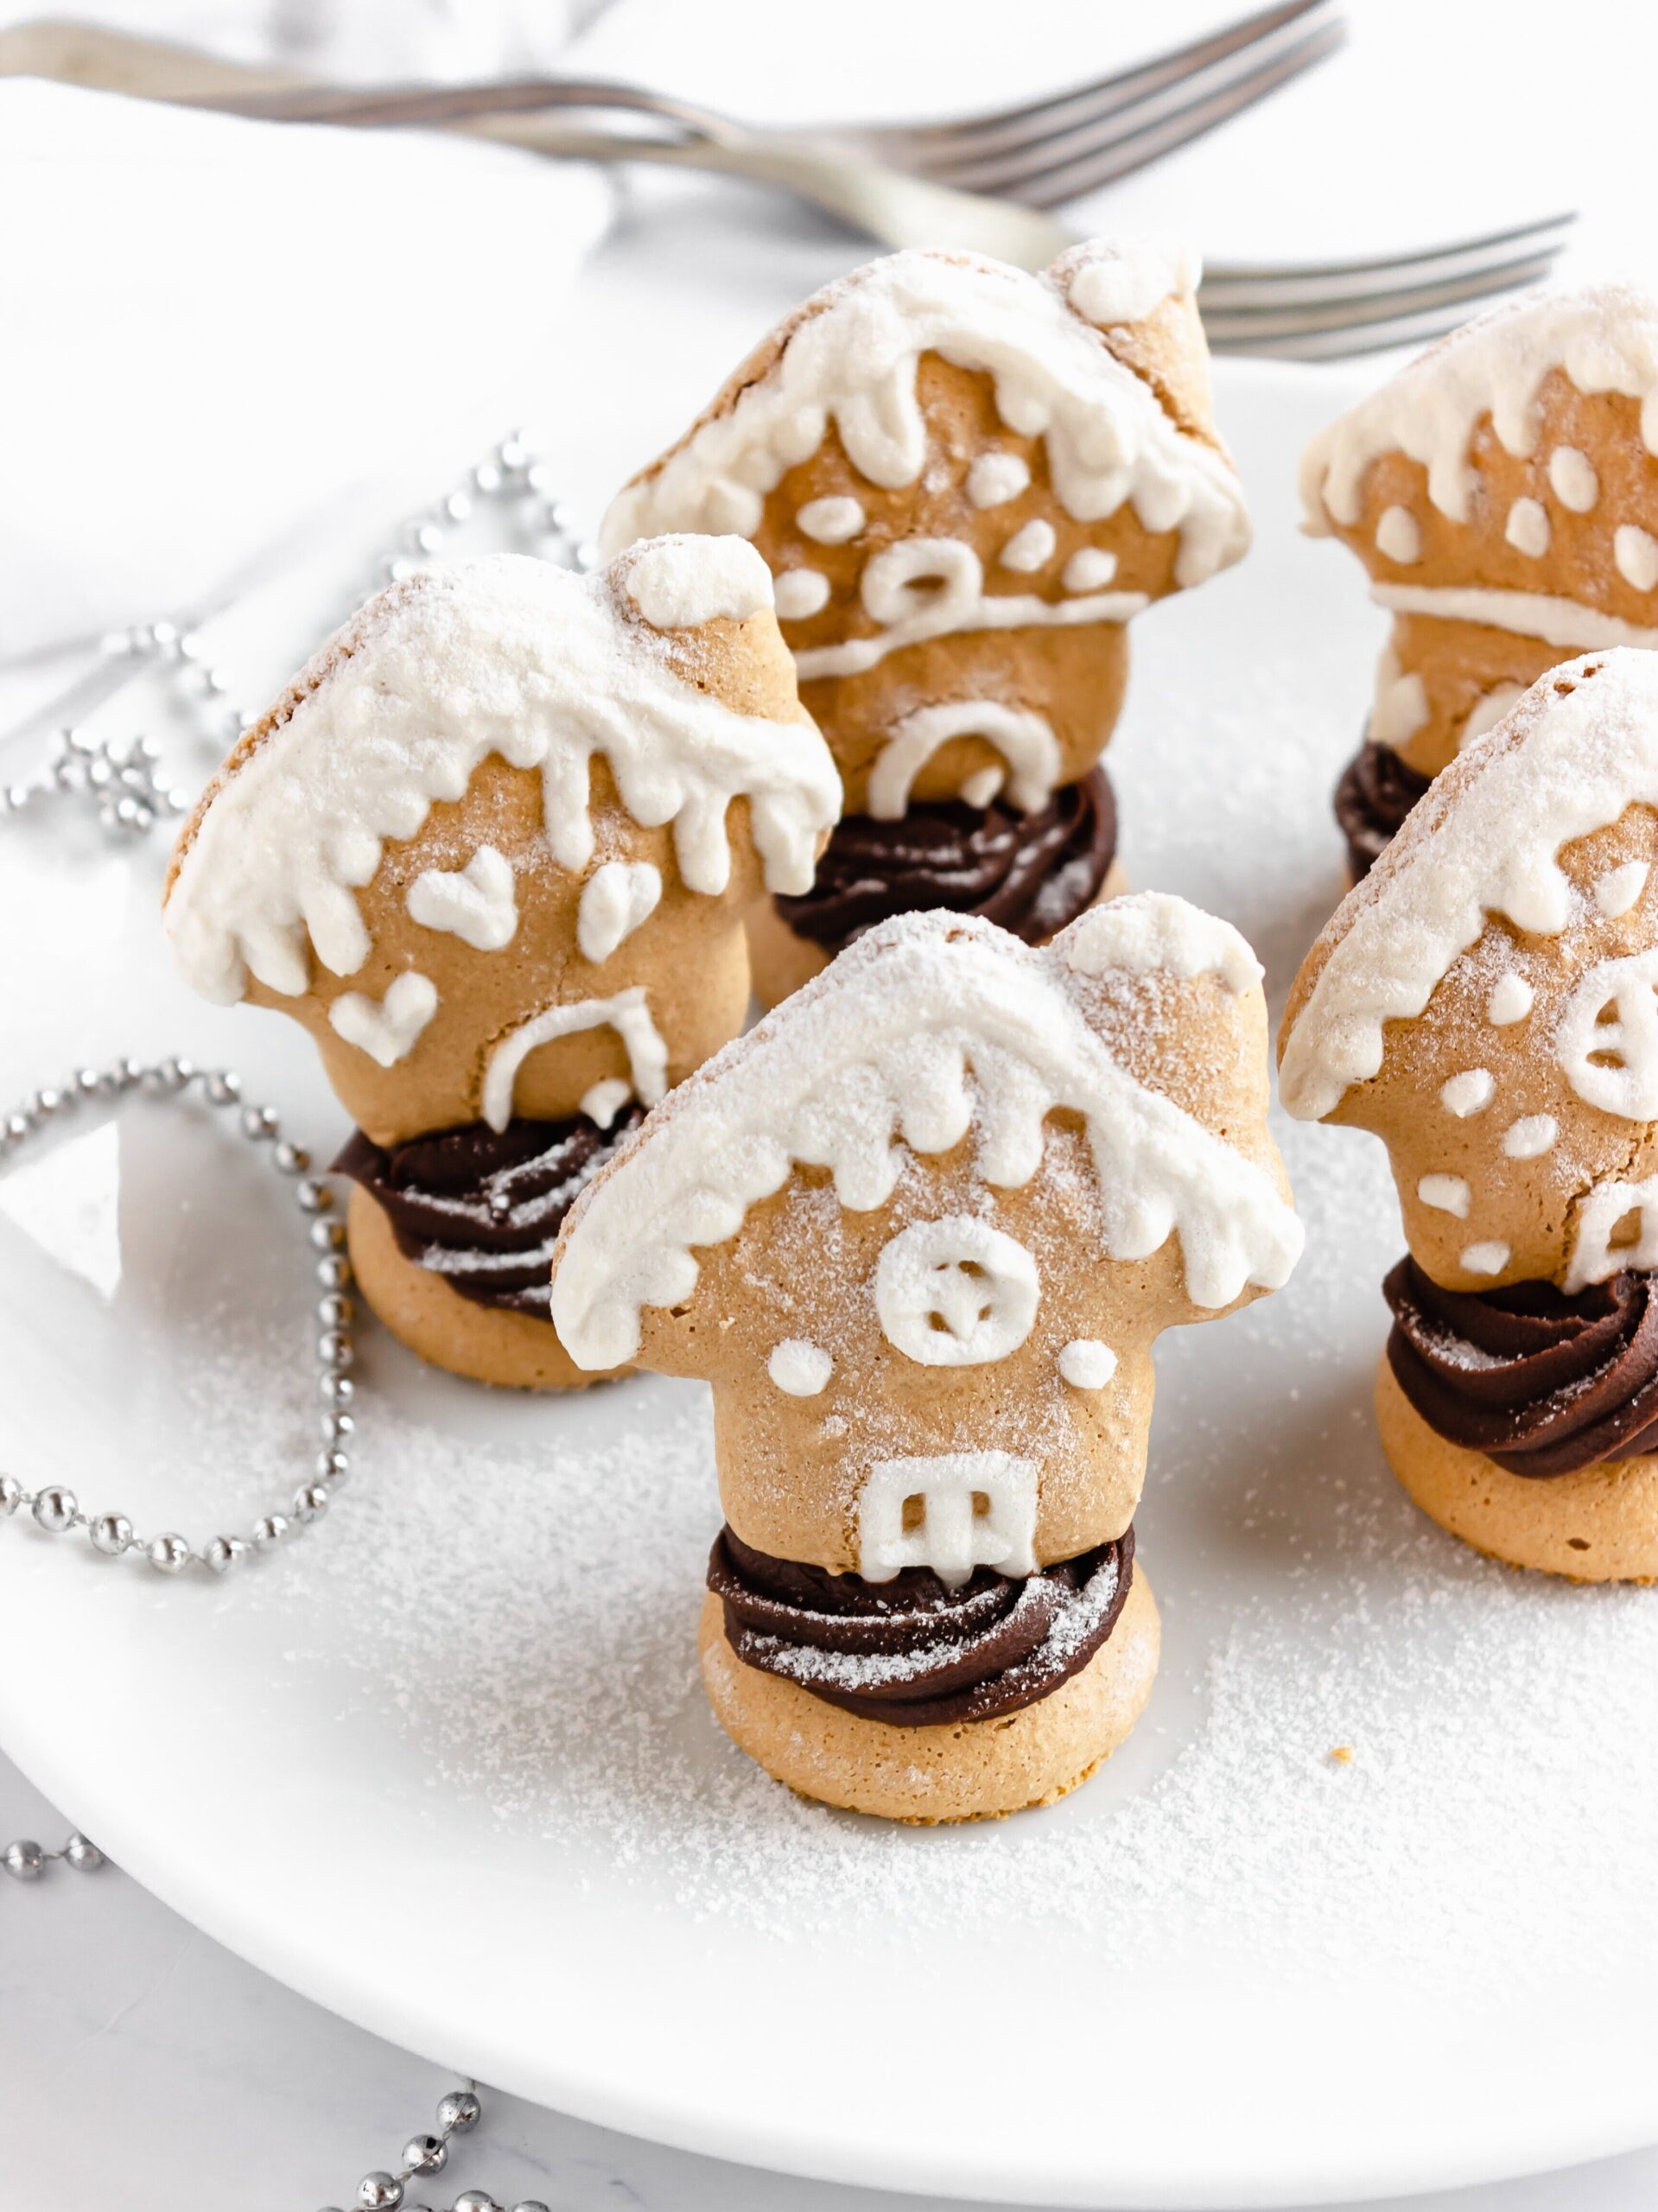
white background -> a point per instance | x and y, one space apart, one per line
140 2065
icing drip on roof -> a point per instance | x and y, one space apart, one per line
1486 841
508 656
851 359
1604 337
927 1028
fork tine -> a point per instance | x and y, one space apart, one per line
1345 342
1129 143
1254 332
923 145
1255 279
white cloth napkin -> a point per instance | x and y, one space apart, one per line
216 327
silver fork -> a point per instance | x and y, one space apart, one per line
912 185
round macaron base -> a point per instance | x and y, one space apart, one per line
484 1343
976 1770
1598 1525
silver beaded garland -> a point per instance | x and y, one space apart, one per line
120 779
54 1507
458 2113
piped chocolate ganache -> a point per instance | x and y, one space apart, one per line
1029 873
1540 1382
1376 791
913 1652
482 1207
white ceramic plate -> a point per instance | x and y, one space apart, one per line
444 1765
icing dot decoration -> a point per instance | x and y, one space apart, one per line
1087 1364
1510 999
1091 567
1446 1193
1471 1092
799 1368
386 1029
955 1293
1618 889
1572 475
1487 1259
831 521
1527 528
1637 555
1531 1137
475 903
801 593
1399 536
1029 548
995 478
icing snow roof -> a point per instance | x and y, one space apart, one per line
927 1028
1484 841
510 656
851 356
1603 336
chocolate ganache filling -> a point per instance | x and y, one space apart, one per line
913 1652
482 1207
1540 1382
1030 873
1376 791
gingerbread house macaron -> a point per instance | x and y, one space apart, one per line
966 480
493 849
1487 1003
1501 492
919 1230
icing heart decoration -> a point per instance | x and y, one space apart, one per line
386 1029
474 903
615 899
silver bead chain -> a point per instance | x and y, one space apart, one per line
458 2113
53 1507
121 778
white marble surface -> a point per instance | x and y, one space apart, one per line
141 2065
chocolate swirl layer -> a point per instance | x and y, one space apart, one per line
913 1652
1540 1382
1376 791
482 1207
1029 873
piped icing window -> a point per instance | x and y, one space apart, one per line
507 655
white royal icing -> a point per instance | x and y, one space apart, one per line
627 1013
1486 1259
1604 337
1487 711
1618 889
386 1029
680 583
1399 536
615 898
1594 1256
801 593
1531 1136
475 903
509 656
851 359
1572 479
1526 528
1635 552
1024 738
995 478
1447 1194
1086 1363
799 1368
1612 1063
1401 706
1148 932
1565 763
606 1100
947 1532
955 1293
1030 547
1471 1092
1091 567
927 1028
1566 623
1511 1001
1118 281
833 521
